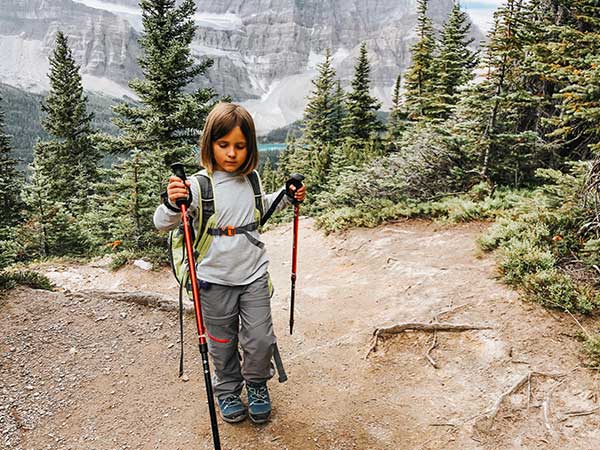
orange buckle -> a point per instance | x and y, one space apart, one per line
229 230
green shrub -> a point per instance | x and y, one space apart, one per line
591 252
9 280
592 348
120 259
522 258
451 209
554 289
158 256
544 233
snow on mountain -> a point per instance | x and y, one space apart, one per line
133 14
21 65
265 52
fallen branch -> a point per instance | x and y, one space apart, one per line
420 326
493 412
410 286
528 389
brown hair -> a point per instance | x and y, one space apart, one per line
223 118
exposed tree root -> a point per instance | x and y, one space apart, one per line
151 299
485 421
419 326
434 342
428 354
546 409
570 414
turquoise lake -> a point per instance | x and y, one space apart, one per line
270 147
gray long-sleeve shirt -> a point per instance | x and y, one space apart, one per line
230 260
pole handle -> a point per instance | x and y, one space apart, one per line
296 181
179 171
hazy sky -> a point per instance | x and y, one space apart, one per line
481 11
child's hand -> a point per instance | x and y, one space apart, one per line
300 194
177 189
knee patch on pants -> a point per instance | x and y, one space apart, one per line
222 330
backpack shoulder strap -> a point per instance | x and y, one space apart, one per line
254 179
206 202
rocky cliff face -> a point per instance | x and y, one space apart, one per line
279 38
265 51
104 44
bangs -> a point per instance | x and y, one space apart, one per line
223 118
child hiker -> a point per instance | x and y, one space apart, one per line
233 278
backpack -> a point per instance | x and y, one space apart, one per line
204 220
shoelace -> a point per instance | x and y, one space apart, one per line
260 394
230 401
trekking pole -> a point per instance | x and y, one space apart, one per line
183 204
296 181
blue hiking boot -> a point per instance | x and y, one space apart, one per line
232 409
259 403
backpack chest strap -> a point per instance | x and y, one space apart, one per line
230 230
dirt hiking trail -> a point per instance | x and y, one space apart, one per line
82 372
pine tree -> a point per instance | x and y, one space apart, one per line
320 113
286 160
132 199
339 113
340 165
10 180
496 115
321 128
169 116
397 120
419 77
50 229
454 65
10 201
540 18
361 125
69 161
165 125
580 121
565 60
267 177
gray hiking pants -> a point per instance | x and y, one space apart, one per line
241 314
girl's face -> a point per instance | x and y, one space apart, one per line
230 151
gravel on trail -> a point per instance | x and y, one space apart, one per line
84 371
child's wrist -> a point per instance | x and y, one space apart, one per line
167 202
